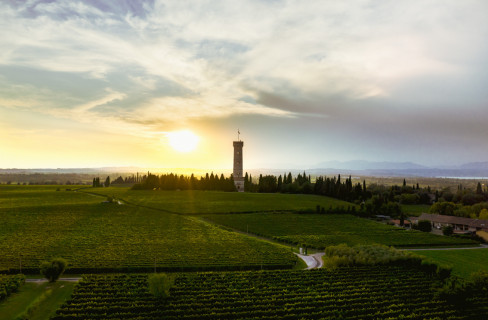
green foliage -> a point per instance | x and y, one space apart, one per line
343 255
462 292
371 255
10 284
96 183
447 230
479 280
483 215
320 231
268 184
159 284
414 209
174 182
406 198
367 292
444 208
107 182
424 225
51 270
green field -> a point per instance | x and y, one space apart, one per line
346 293
322 230
37 196
195 202
36 301
182 231
463 262
102 237
414 210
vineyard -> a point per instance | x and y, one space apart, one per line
320 231
196 202
37 196
105 237
347 293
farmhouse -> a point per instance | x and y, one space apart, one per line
458 223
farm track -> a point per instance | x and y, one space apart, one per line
313 261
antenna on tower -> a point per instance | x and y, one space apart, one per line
238 133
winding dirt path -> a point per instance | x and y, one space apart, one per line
313 261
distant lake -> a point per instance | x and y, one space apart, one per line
466 178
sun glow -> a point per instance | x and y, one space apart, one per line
183 141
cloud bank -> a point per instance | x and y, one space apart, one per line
391 71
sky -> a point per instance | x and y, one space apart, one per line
107 83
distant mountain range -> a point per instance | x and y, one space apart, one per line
355 167
361 167
368 165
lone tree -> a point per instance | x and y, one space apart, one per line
51 270
107 182
159 285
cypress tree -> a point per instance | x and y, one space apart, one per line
479 190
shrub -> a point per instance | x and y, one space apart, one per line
479 280
343 255
51 270
460 292
447 230
425 226
159 285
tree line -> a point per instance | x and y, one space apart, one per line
181 182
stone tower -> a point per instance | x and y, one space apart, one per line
237 173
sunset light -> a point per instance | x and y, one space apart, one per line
183 141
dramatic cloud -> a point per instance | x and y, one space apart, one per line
390 72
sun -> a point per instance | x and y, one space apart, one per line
183 141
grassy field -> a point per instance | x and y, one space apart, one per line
36 301
415 210
95 236
319 231
463 262
195 202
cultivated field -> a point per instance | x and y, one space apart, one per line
196 202
12 196
102 237
322 230
181 231
346 293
